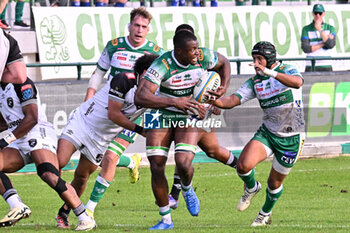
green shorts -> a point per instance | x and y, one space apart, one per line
129 135
286 149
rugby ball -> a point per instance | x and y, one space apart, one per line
209 81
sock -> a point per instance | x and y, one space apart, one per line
126 161
248 179
119 4
64 212
97 193
85 4
271 198
12 198
99 4
118 149
81 213
176 188
165 212
196 3
19 11
232 161
186 188
3 14
75 4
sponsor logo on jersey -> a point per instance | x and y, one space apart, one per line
176 79
121 58
173 72
27 94
165 63
25 87
201 55
10 102
99 158
153 72
32 142
14 123
187 77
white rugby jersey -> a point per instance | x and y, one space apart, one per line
9 51
94 112
13 97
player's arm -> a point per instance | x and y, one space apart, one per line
94 83
115 114
3 125
16 71
223 68
145 97
290 80
227 102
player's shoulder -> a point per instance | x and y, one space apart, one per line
27 84
116 42
288 69
155 49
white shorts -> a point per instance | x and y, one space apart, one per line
40 137
84 139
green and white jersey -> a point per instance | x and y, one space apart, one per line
310 33
282 105
120 56
176 80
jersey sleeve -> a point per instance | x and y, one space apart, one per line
292 70
14 52
246 92
104 62
157 71
207 58
26 92
120 85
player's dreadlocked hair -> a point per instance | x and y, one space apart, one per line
143 63
267 50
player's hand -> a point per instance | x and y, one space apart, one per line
259 69
215 110
3 143
186 104
202 111
220 92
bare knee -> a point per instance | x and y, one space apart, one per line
243 167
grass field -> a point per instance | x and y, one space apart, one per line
316 198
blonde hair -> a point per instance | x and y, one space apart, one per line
140 11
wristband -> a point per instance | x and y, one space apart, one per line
138 129
10 138
270 73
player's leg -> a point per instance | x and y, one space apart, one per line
287 151
65 150
175 190
209 143
123 140
157 147
253 153
106 175
185 149
47 169
11 161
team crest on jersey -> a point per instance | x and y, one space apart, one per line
165 63
115 42
201 55
156 48
10 102
32 142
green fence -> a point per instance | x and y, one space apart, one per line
236 60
